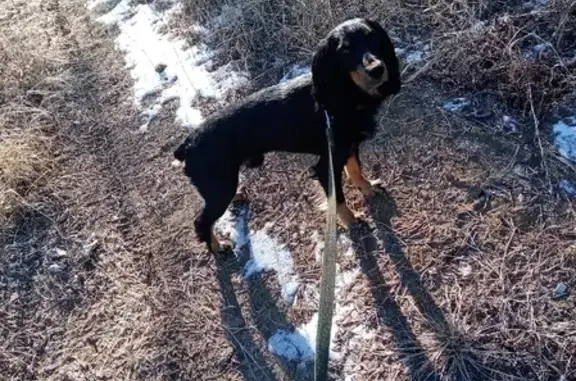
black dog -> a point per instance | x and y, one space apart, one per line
354 69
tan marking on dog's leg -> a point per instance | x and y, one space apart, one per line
345 214
354 173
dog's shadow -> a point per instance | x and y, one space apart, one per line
255 362
367 243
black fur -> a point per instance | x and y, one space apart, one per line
290 117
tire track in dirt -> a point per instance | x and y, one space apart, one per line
154 311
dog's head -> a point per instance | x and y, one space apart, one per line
356 59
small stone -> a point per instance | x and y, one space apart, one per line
160 68
465 270
54 269
60 253
561 290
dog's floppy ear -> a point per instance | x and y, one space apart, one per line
388 46
325 70
389 54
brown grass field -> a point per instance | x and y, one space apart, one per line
101 277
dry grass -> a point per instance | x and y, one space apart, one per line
484 46
24 161
32 79
101 277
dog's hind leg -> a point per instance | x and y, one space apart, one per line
217 198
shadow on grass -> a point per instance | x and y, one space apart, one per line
459 362
256 363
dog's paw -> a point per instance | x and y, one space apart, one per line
372 188
222 249
226 250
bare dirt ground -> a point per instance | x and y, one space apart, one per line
101 277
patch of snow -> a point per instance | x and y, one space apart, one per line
535 51
414 56
536 5
539 48
228 16
300 345
59 253
346 245
509 124
294 72
291 345
568 187
266 253
149 115
413 53
456 104
163 67
564 135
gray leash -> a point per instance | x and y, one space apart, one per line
328 282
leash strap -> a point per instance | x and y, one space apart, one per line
328 282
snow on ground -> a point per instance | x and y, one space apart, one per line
456 104
300 345
266 253
564 136
534 52
295 71
509 124
569 187
535 5
163 67
412 53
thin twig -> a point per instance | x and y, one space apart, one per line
537 131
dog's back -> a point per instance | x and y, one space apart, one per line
278 118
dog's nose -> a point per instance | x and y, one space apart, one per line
374 67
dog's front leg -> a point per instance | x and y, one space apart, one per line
345 215
354 172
